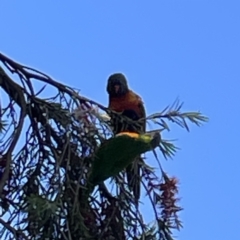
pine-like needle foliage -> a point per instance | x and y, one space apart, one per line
47 147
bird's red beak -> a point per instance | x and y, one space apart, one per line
116 87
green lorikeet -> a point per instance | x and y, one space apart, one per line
118 152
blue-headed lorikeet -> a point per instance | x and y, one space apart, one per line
129 104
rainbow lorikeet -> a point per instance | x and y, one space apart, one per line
110 158
118 152
129 104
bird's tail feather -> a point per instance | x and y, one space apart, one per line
133 177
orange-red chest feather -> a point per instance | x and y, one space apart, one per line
129 101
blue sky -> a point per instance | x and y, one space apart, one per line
167 49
